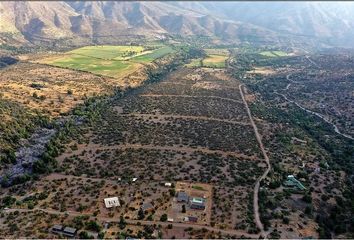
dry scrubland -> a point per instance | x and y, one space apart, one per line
32 94
53 90
302 144
49 89
192 126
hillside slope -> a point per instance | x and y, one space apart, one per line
332 22
31 21
266 22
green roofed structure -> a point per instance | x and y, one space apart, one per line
197 203
291 181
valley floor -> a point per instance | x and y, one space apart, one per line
190 128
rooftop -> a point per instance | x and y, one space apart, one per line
111 202
182 197
58 227
70 230
292 181
198 200
147 206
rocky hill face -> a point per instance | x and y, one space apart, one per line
331 22
30 21
237 21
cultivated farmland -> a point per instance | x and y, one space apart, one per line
111 61
215 58
214 61
273 53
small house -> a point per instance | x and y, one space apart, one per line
291 181
147 207
57 229
182 197
69 232
168 184
197 203
190 219
111 202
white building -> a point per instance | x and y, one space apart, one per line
111 202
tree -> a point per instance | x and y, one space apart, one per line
172 192
308 210
84 235
183 208
101 235
94 226
141 214
8 201
307 198
122 223
163 217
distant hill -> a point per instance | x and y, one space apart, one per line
331 22
271 22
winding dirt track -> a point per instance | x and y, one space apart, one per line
335 128
264 175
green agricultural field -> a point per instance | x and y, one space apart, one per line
157 53
111 68
109 52
273 53
215 61
112 61
195 63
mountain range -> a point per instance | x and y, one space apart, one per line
325 22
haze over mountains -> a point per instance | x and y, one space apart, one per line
330 23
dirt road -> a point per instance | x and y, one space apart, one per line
135 222
324 118
188 118
266 158
191 96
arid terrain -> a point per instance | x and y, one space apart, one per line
192 126
164 120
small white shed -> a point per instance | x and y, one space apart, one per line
111 202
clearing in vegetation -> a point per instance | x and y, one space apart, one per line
215 58
214 61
